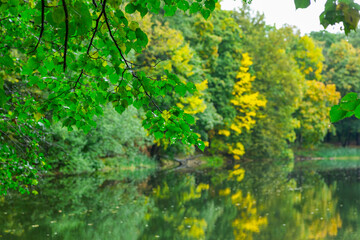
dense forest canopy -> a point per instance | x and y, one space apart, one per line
64 64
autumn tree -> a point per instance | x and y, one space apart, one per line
65 60
72 58
317 97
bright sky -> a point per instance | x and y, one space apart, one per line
280 12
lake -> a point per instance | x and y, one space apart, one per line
266 201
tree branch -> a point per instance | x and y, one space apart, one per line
66 32
126 61
96 27
1 19
94 2
68 90
77 81
42 24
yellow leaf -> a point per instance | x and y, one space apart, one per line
38 116
123 47
166 115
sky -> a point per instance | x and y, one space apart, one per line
280 12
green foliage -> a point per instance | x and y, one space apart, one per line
279 79
329 152
345 11
302 3
64 61
78 63
343 70
117 138
83 207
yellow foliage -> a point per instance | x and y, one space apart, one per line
181 59
313 120
202 86
224 192
38 116
202 186
310 58
237 150
193 228
249 222
166 115
237 174
194 104
224 132
246 103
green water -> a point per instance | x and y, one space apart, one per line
268 201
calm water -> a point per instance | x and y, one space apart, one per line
247 201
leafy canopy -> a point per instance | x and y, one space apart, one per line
64 60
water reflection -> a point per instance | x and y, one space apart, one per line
206 206
252 201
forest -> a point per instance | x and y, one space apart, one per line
174 83
176 119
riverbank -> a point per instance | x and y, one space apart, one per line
326 151
328 157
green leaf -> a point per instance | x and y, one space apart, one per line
120 109
158 135
142 37
302 3
169 10
180 89
201 145
189 119
195 7
357 111
143 11
114 78
205 13
336 113
192 138
349 114
185 127
210 4
349 97
183 5
349 102
131 35
2 97
130 8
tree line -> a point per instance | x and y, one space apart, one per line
202 79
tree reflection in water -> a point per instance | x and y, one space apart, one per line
260 201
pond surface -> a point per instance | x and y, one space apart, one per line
268 201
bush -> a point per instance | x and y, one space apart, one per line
115 136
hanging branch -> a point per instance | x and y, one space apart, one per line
126 61
96 27
68 90
77 81
94 2
42 24
66 32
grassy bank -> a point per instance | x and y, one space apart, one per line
327 157
327 151
328 164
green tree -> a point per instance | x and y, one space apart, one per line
317 98
65 60
341 69
278 78
76 62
